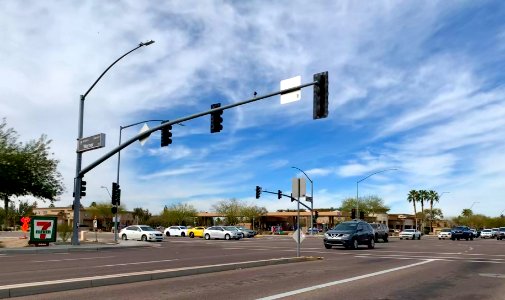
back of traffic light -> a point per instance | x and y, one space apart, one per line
166 135
216 119
320 95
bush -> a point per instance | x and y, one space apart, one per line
65 231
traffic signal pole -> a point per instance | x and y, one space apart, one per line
181 120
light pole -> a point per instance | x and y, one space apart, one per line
473 204
80 125
104 187
357 182
311 199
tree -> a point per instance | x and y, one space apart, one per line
103 211
230 209
369 205
141 215
252 212
413 198
432 198
27 169
467 212
178 214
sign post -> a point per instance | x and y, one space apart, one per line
95 227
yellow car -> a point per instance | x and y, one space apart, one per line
196 232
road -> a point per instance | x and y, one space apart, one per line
400 269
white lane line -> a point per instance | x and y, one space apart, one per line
320 286
490 261
502 276
135 263
71 259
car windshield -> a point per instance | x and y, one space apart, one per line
486 230
146 228
409 230
346 226
182 227
446 230
375 225
460 228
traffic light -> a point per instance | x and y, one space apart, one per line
353 213
116 194
113 210
316 215
361 215
279 194
216 119
258 192
292 198
83 188
320 95
166 135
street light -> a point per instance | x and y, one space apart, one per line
357 182
473 204
104 187
311 198
80 125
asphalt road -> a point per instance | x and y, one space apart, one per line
400 269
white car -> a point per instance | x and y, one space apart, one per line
176 231
495 231
140 232
410 234
487 234
222 232
444 234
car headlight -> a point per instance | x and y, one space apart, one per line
346 235
326 235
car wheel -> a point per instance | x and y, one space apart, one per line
458 239
376 238
439 238
183 234
355 244
401 238
124 237
386 239
453 239
168 233
419 237
191 235
371 244
226 236
143 238
327 246
207 236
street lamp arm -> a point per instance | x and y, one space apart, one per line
124 127
303 173
375 173
108 68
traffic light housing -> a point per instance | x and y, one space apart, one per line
166 135
216 119
114 210
292 198
316 215
258 192
279 194
353 213
361 215
320 96
116 194
83 188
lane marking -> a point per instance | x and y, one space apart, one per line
136 263
71 259
325 285
490 261
502 276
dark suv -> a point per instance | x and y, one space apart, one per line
350 234
500 235
461 232
381 231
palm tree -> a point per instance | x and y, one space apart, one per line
432 197
412 198
423 197
467 212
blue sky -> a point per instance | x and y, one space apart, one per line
417 86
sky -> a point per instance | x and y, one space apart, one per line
416 86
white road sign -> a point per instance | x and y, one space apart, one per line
295 236
289 83
298 187
144 129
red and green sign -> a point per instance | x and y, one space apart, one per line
43 229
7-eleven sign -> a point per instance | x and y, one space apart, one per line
43 229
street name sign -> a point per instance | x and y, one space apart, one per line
290 83
91 142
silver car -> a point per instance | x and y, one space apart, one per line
222 232
410 234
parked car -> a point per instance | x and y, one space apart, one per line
140 232
501 234
444 234
381 231
247 233
313 231
176 231
487 234
475 232
222 232
350 234
196 232
495 231
410 234
461 232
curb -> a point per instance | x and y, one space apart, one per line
34 288
69 248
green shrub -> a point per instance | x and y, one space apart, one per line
65 231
